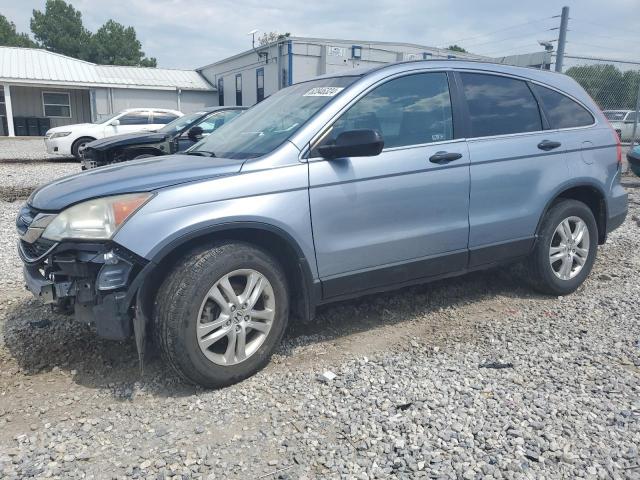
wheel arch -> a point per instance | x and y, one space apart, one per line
588 193
304 291
77 141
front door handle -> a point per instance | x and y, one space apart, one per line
547 145
444 157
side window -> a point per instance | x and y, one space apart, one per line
499 105
560 110
216 120
631 117
163 118
221 91
135 118
410 110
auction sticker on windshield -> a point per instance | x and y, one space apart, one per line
323 92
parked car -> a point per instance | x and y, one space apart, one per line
622 121
71 139
345 185
633 157
174 137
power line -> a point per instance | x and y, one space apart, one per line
499 30
604 26
520 35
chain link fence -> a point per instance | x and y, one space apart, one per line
615 86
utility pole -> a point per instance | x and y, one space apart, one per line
562 38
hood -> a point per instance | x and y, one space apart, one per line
139 138
129 177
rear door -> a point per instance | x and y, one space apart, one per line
515 165
401 215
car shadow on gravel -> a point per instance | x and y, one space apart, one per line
41 341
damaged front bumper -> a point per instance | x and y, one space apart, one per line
98 280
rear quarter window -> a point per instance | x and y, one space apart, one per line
499 105
560 110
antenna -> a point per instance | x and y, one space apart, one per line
253 38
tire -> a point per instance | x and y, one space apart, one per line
78 144
635 169
545 276
182 301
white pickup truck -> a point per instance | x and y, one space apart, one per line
71 139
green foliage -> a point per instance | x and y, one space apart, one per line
456 48
609 86
59 29
115 44
9 37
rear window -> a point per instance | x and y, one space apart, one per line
560 110
499 105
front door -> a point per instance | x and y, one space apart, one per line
402 215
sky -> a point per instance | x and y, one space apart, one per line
193 33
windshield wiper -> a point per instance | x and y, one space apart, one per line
201 153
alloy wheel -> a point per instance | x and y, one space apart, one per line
235 317
569 248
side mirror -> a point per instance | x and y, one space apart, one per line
114 123
354 143
195 133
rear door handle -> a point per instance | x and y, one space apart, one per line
444 157
547 145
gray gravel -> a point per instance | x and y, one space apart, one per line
419 391
25 148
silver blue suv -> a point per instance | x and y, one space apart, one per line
333 188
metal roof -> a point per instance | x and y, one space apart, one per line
30 65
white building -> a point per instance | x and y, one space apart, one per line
248 77
41 89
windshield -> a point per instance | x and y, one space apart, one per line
106 119
181 122
268 124
614 114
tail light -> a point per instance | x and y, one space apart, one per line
618 143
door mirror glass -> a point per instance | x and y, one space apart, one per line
354 143
195 133
114 123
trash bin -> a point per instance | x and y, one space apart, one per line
20 126
44 124
32 127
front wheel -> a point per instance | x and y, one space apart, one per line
220 314
565 249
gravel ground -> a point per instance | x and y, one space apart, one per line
473 377
25 148
24 164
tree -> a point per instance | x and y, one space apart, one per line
9 37
268 38
59 29
456 48
115 44
608 85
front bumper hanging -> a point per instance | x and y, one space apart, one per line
100 281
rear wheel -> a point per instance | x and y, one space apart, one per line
78 146
565 249
221 313
635 169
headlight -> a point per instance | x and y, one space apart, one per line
60 134
97 219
